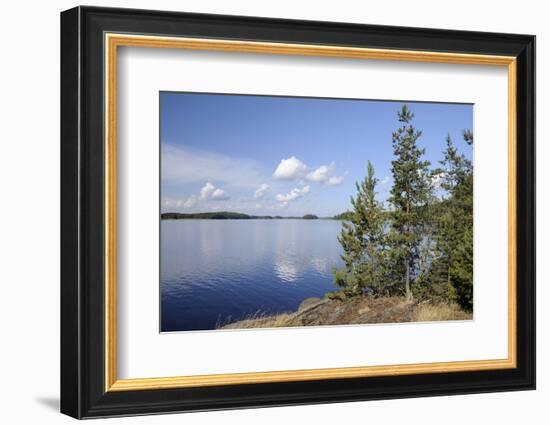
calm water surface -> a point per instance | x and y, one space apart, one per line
218 271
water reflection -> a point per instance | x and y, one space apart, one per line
213 271
286 270
321 265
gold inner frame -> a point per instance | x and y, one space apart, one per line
113 41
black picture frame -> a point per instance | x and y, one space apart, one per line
83 392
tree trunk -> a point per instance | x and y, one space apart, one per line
407 281
407 262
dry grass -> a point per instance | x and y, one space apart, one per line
359 310
439 312
259 320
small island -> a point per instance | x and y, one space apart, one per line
310 217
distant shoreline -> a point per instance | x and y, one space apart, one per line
226 215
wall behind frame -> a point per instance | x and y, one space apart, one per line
29 217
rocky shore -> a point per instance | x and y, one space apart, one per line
359 310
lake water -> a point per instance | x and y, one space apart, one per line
218 271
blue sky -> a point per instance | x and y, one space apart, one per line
269 155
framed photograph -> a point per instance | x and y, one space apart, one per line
261 212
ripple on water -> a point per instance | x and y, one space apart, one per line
213 270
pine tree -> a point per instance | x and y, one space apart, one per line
450 233
362 241
455 222
409 198
422 245
428 216
468 136
462 271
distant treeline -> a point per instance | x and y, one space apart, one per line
226 215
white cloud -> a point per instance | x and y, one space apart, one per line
385 183
321 174
325 175
170 203
438 179
188 165
335 180
294 169
290 169
176 205
220 195
261 191
190 202
207 190
293 194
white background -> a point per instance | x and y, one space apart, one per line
29 225
140 344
